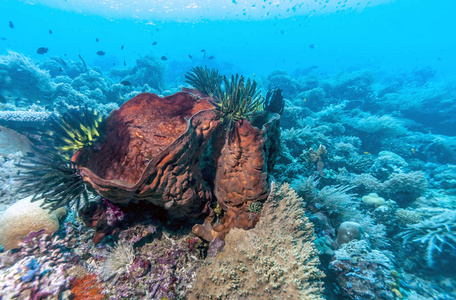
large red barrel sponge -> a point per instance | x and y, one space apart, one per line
151 152
243 158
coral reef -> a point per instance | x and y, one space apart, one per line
349 231
9 187
363 273
21 75
38 270
24 121
343 136
437 235
253 265
284 81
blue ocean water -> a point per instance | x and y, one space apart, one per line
361 173
387 35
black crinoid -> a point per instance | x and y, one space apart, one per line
274 102
53 178
205 80
50 174
237 100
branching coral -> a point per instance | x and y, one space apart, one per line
332 198
435 233
315 157
405 187
385 124
275 260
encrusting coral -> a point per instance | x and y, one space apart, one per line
275 260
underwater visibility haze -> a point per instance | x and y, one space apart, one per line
229 149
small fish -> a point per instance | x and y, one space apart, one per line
154 43
42 50
202 50
367 153
101 53
11 25
189 56
312 46
62 62
413 150
211 57
282 32
126 83
304 100
234 1
163 58
3 38
254 74
125 63
121 48
96 40
50 31
204 55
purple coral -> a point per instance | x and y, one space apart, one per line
113 213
